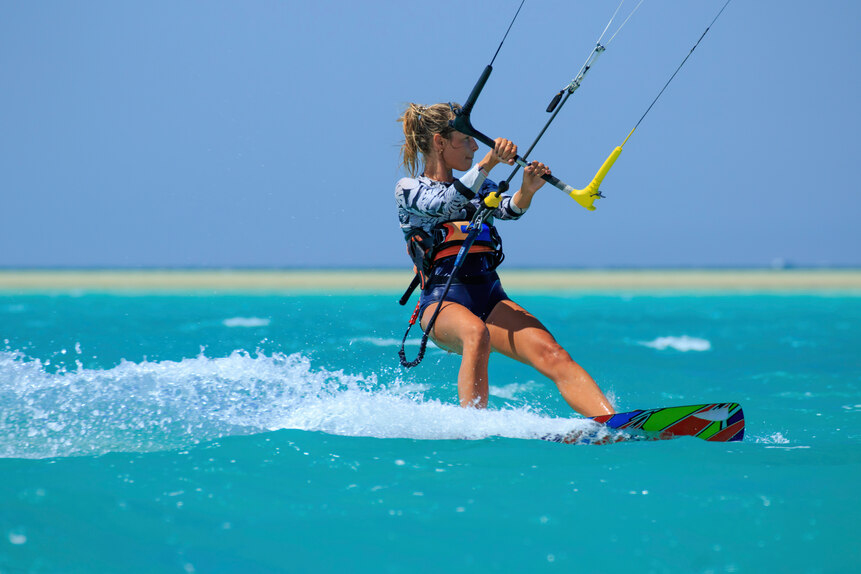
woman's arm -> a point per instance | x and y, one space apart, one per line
437 200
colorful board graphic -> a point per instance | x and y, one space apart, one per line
718 422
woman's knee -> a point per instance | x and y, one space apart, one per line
474 335
550 356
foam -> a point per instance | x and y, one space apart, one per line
513 390
246 322
772 439
147 406
683 344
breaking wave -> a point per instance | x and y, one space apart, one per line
683 344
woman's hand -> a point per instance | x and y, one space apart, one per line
531 183
532 180
503 152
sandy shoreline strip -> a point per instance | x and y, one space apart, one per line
395 281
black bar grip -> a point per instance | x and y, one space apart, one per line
555 101
476 90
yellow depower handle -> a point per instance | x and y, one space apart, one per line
587 196
492 200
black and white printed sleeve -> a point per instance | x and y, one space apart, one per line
425 203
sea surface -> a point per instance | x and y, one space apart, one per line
277 433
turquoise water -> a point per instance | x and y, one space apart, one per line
277 434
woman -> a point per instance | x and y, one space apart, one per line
477 316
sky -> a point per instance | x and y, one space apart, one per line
264 134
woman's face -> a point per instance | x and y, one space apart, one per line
458 150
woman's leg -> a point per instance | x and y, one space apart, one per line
458 330
518 334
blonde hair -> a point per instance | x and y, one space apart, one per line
420 124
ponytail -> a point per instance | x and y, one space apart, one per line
420 123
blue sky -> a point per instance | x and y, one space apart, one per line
237 134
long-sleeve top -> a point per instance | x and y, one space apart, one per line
424 203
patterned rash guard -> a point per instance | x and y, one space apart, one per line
424 203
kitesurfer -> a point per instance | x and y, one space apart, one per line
477 317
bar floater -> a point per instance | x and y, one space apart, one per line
587 196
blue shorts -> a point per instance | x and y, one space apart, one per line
475 287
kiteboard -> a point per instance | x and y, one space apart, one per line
715 422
